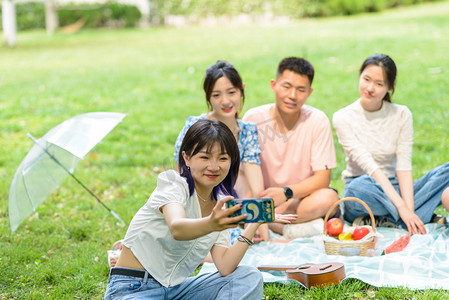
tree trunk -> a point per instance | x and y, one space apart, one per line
9 22
51 18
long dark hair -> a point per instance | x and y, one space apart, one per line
388 65
216 71
206 133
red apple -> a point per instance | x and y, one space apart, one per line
360 232
334 226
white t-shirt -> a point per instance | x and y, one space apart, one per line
381 139
169 261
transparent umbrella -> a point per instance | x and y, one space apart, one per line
52 158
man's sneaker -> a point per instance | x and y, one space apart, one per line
301 230
380 222
439 219
339 213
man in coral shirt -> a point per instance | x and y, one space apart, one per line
297 148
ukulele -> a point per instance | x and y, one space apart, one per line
312 274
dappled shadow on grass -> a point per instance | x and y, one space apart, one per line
52 266
56 257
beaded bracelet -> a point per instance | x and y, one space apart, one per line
244 239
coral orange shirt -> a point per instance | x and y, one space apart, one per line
289 158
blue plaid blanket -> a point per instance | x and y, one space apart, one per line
423 264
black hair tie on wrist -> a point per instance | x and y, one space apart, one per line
244 239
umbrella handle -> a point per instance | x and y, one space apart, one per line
121 222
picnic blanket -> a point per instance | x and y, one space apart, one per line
424 264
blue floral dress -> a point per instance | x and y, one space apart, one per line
248 141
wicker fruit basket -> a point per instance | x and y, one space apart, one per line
350 248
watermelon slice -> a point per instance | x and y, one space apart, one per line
398 245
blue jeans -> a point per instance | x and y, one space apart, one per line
427 194
246 282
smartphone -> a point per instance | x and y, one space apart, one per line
259 210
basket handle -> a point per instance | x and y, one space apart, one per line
373 221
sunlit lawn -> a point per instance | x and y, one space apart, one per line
155 76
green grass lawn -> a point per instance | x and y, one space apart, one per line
155 76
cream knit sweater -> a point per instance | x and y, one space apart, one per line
382 139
